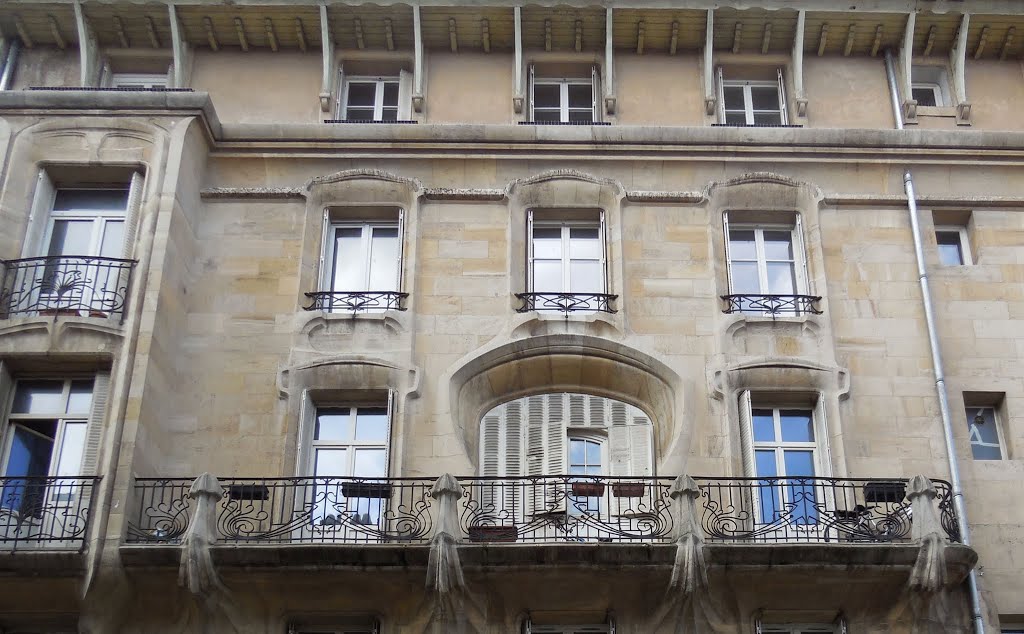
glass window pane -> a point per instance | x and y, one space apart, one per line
359 114
764 97
745 279
389 114
742 244
384 259
733 96
765 463
950 252
764 425
577 451
331 462
585 276
797 425
333 424
361 93
80 400
778 245
581 116
585 242
547 116
580 96
33 397
983 434
31 448
924 96
112 241
547 276
767 118
781 278
736 118
578 469
593 453
349 260
798 463
546 95
547 242
72 448
90 200
372 424
390 94
370 463
71 237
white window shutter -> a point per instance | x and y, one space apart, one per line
339 102
326 254
821 435
491 457
512 452
720 87
602 236
595 93
803 279
556 435
746 435
782 96
6 388
532 77
535 436
641 447
404 95
390 433
577 410
401 249
97 422
728 256
599 416
618 441
39 216
132 213
307 422
529 251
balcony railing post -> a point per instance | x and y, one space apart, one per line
196 571
689 573
444 571
929 571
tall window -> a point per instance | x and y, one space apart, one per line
567 256
45 436
371 99
983 433
785 447
564 99
764 260
361 263
752 102
87 222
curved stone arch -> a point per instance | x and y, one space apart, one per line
568 363
761 178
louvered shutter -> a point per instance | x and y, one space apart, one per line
42 204
132 213
782 97
556 435
326 254
821 434
97 422
401 249
595 92
577 410
404 95
307 422
630 439
339 105
531 75
803 280
390 433
720 87
529 252
491 462
746 435
618 440
6 388
728 255
641 449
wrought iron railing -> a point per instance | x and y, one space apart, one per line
289 510
65 285
813 510
566 302
567 509
356 301
772 305
45 513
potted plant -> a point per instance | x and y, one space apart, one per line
493 533
588 489
628 489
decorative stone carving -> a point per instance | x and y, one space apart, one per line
444 572
929 571
196 571
689 572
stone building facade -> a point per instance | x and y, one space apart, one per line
487 317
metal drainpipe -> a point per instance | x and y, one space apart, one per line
940 377
9 63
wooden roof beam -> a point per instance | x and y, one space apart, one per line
389 34
453 36
877 43
766 38
673 43
268 24
579 35
26 39
547 35
122 36
640 28
300 34
980 50
211 37
243 41
823 39
357 25
737 33
154 39
485 34
1007 42
930 42
58 37
851 32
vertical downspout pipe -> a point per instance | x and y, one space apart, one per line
9 64
933 343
